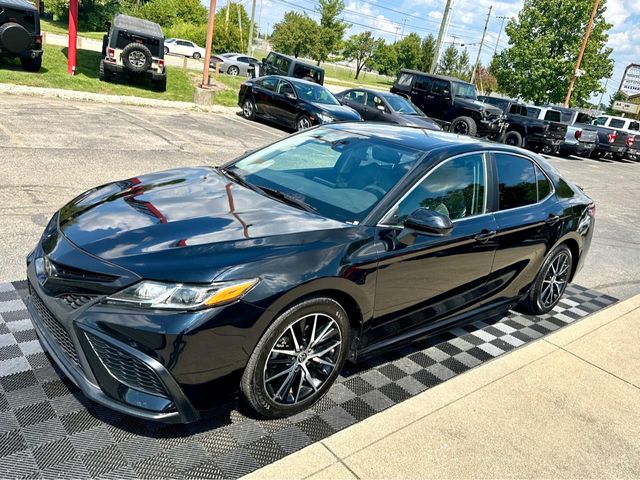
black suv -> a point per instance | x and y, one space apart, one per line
134 47
279 64
453 101
20 33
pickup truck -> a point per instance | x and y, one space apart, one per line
627 125
580 140
525 130
612 142
557 130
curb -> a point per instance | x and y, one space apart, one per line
110 99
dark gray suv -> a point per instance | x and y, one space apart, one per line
20 33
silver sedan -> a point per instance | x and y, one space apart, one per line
233 63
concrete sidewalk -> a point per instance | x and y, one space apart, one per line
567 405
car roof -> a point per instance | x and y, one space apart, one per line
294 80
21 4
297 60
439 77
138 25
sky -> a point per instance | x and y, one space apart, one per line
391 19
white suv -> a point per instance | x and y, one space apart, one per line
177 46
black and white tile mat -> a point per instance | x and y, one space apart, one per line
49 429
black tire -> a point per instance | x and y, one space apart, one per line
513 138
618 156
160 85
105 44
233 70
596 155
166 50
248 109
197 56
274 399
464 126
136 57
32 64
303 122
101 72
14 38
537 301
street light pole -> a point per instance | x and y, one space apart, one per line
443 27
484 33
585 40
207 54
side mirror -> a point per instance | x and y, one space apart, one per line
429 222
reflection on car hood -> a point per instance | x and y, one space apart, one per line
339 112
421 121
182 213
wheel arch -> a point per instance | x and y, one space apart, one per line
574 247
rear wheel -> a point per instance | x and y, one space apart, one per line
197 56
513 138
32 64
298 358
550 283
160 85
233 70
464 126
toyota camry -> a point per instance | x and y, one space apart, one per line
163 295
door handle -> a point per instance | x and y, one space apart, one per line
485 235
552 219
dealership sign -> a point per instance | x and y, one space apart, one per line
630 84
626 107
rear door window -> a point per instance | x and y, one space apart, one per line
516 181
440 87
423 83
600 121
269 84
617 123
357 96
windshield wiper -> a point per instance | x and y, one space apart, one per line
239 179
272 192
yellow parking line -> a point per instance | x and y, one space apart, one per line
15 140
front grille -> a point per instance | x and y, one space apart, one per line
59 333
72 273
75 301
127 369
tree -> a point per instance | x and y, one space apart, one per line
295 34
228 36
385 59
92 14
485 82
332 28
168 12
449 61
361 48
463 67
428 50
409 51
544 42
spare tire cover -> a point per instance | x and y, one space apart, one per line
14 38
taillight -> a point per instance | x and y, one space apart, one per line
612 137
578 134
592 210
39 39
161 63
630 140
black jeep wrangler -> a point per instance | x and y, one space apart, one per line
279 64
134 47
451 101
20 33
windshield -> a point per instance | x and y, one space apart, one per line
497 102
339 174
315 93
465 90
402 105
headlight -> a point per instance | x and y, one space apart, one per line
182 297
325 118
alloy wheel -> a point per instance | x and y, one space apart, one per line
555 280
247 109
137 59
461 128
304 123
302 359
233 71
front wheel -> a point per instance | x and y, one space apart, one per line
298 358
303 123
464 126
197 56
550 283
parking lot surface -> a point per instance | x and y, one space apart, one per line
52 150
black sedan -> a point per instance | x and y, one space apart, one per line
291 102
163 295
387 107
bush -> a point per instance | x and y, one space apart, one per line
188 31
171 12
92 14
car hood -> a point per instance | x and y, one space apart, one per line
163 221
477 105
421 121
339 112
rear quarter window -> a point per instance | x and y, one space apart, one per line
404 80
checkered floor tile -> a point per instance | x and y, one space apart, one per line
49 429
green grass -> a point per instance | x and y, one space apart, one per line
54 75
229 96
62 28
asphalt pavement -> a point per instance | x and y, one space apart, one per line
53 150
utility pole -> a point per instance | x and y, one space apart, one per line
484 33
582 49
443 27
240 24
404 22
226 15
253 17
207 54
499 34
604 91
